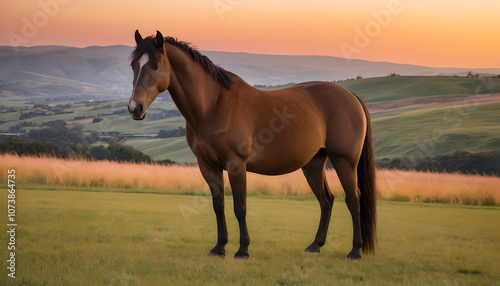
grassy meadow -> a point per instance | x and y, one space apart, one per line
70 237
107 223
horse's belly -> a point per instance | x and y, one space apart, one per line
271 169
282 157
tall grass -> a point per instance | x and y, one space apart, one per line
417 186
392 184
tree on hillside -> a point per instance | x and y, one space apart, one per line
77 151
100 153
55 123
20 146
179 132
59 134
472 75
124 153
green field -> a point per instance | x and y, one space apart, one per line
380 89
437 131
112 123
175 149
102 238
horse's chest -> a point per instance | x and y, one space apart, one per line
207 149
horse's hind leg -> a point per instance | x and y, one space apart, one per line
314 172
347 173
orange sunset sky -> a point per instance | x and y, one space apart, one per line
439 33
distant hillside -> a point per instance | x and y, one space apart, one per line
282 69
395 92
66 73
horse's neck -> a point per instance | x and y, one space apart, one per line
192 89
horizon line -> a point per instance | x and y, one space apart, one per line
254 53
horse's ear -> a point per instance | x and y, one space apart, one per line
138 37
159 39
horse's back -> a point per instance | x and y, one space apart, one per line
331 98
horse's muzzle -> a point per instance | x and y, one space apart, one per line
137 111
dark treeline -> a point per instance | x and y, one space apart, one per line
459 161
55 139
114 151
465 162
179 132
58 133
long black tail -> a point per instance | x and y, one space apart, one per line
366 184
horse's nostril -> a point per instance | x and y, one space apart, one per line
139 108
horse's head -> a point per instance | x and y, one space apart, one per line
151 73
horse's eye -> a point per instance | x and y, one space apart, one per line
156 67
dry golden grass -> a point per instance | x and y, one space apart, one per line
392 184
438 187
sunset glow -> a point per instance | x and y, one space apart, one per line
433 33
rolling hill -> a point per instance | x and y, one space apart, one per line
66 73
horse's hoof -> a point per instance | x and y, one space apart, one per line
354 256
241 256
313 248
213 253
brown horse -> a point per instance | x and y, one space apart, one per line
233 126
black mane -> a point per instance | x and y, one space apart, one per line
148 46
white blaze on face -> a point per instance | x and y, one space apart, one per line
142 61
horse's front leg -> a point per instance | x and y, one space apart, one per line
236 171
215 181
